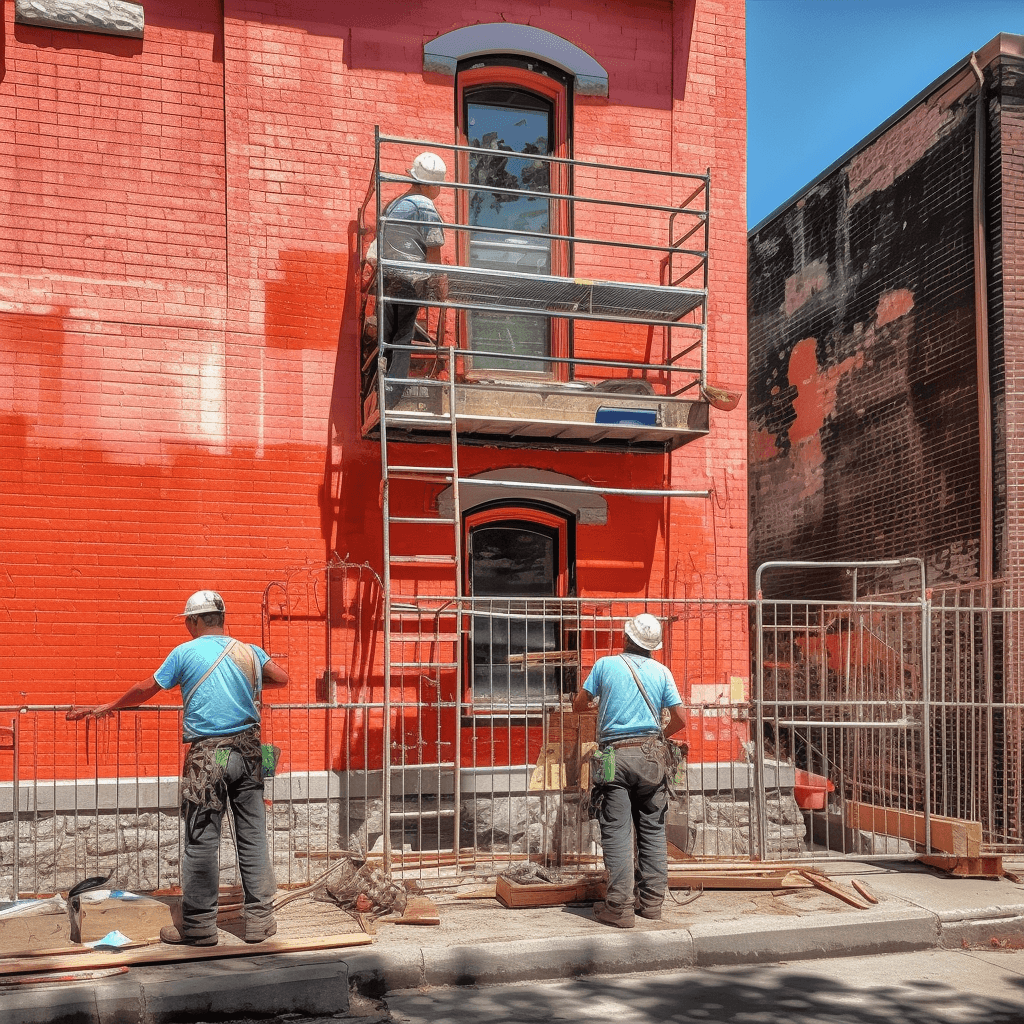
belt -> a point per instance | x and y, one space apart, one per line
636 741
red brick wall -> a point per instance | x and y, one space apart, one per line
1010 209
177 322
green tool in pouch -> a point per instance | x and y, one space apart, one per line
603 765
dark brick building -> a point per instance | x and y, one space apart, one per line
886 326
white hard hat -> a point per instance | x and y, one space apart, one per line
645 631
428 167
202 602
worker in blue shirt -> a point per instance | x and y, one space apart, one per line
635 766
221 681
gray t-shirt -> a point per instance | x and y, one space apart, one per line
409 242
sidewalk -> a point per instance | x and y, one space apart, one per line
481 942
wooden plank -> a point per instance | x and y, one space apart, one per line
737 880
827 885
546 894
488 892
957 836
864 891
33 931
163 953
967 867
419 910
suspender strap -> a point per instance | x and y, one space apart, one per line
643 693
228 649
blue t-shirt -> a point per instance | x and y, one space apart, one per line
224 704
623 711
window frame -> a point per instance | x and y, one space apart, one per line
554 86
561 524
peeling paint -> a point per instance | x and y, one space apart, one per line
892 305
816 392
763 445
807 282
892 154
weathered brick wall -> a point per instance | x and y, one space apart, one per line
1010 255
863 405
177 314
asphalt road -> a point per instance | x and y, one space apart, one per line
932 987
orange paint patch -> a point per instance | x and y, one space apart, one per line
816 391
892 305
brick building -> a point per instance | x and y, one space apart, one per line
189 390
886 321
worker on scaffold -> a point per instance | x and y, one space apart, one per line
411 233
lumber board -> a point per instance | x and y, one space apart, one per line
488 892
967 867
547 894
957 836
163 953
827 885
419 910
736 880
864 890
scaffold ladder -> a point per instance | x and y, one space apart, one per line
421 650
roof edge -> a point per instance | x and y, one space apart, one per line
1002 45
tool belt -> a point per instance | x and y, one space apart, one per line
202 775
632 741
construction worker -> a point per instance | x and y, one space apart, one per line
631 771
220 680
411 243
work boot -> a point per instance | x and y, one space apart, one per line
617 917
173 937
652 912
257 931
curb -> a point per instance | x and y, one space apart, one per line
293 983
319 983
707 944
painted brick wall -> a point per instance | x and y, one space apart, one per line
177 320
1011 263
863 404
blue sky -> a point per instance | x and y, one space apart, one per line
822 74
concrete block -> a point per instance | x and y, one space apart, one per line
103 1001
816 935
285 983
606 952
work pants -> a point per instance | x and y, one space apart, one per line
399 327
200 863
635 804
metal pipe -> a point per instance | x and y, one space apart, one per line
583 488
570 161
981 333
525 357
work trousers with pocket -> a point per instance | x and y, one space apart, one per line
635 803
200 862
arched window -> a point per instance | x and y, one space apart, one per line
520 109
518 564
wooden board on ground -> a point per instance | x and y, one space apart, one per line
709 878
34 931
419 910
140 919
548 894
967 867
957 836
162 953
488 892
862 888
827 885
